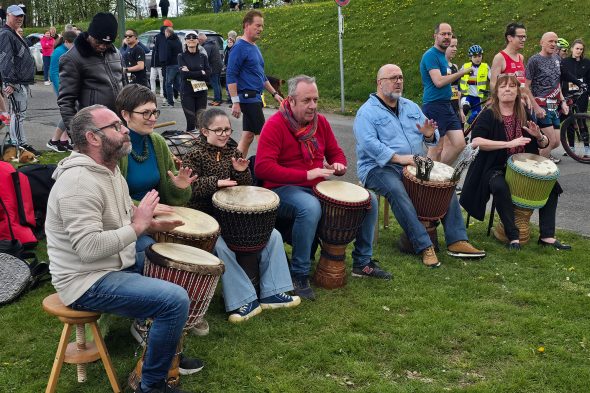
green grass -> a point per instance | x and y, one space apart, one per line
470 326
303 38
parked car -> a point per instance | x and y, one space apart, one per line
148 37
34 41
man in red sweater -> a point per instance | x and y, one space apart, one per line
297 150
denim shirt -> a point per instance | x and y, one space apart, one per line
380 134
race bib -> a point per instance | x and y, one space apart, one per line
198 85
551 104
455 91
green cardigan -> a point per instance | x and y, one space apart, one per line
169 193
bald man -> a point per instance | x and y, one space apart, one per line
543 74
389 131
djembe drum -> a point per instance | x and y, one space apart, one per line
530 178
195 270
344 207
247 216
430 195
199 230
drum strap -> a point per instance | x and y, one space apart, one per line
327 255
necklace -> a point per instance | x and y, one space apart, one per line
144 155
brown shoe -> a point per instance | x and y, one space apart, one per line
429 257
462 249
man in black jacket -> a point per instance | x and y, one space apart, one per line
91 72
174 48
17 69
158 65
216 66
164 5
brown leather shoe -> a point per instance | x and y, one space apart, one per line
462 249
429 257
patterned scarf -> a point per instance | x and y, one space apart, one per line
304 135
513 130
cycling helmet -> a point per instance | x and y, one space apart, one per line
562 43
475 50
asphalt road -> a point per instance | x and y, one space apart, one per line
573 210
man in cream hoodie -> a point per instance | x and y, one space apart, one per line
92 229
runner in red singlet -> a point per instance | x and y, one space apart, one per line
511 61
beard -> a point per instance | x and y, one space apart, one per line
113 151
393 95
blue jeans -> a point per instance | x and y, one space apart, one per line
129 294
300 205
46 63
172 80
216 84
274 273
216 6
387 181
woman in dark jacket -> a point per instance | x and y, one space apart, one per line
579 67
194 73
503 130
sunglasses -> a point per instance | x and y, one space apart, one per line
129 36
191 37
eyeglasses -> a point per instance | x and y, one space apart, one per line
221 131
395 78
521 36
116 125
129 36
190 37
148 114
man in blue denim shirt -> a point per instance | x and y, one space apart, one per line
390 130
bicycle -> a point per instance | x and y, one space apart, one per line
574 130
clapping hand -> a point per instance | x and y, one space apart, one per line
428 128
240 164
183 179
338 168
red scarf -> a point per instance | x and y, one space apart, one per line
513 130
304 135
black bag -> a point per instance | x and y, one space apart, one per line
41 181
18 276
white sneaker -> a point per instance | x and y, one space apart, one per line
47 83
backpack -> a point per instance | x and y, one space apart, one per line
17 216
18 276
41 182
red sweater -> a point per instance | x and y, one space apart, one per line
279 160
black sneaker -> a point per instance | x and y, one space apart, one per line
56 146
371 269
67 145
302 288
30 148
163 388
189 366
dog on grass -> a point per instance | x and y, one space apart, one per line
25 156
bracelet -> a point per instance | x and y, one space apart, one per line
275 93
235 100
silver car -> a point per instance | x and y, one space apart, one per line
34 42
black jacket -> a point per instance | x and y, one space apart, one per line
174 48
214 56
160 49
87 78
196 63
581 71
17 66
164 4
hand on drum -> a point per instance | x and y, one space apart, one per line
518 142
240 164
427 129
163 209
339 169
164 225
226 183
183 179
319 172
533 129
144 212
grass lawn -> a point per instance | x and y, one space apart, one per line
474 326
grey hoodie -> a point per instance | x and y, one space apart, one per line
88 225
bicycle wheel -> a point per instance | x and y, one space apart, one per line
575 137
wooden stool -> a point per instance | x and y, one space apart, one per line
79 352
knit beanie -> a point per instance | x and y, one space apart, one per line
103 27
168 23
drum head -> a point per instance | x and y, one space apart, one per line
440 171
196 223
533 164
245 199
342 191
184 255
